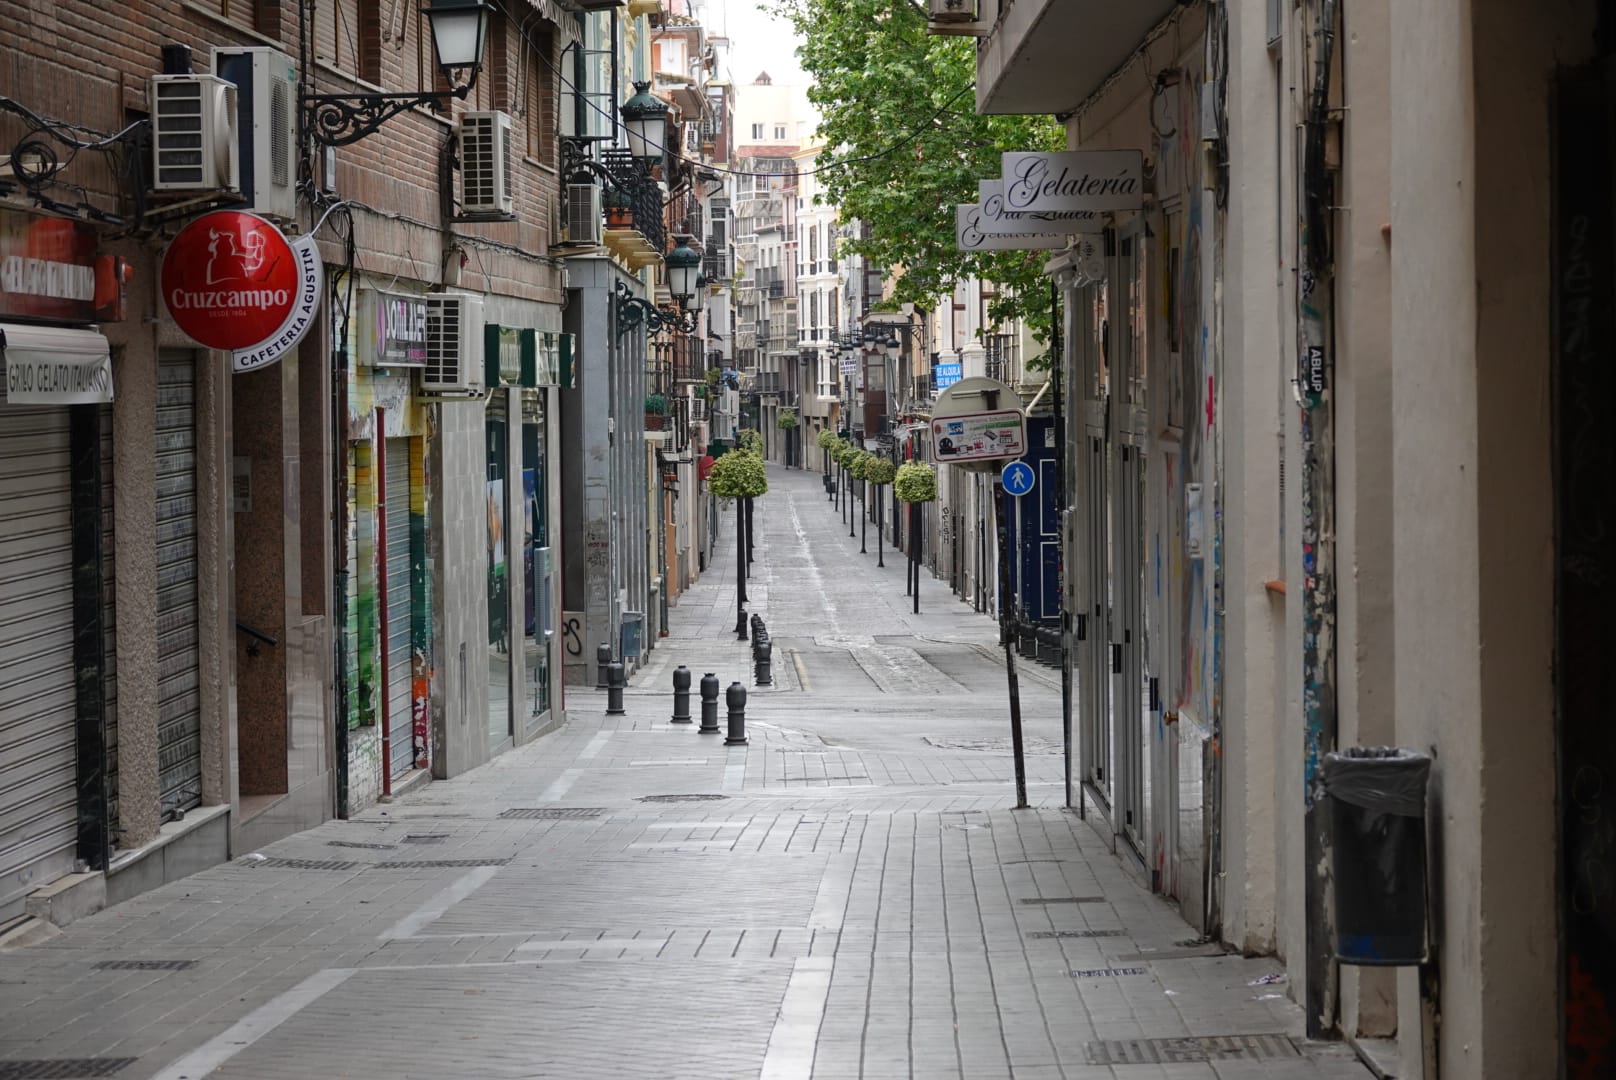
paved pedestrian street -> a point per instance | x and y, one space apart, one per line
851 894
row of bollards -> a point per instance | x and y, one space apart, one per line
734 697
762 653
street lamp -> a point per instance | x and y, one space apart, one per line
644 119
698 299
684 269
459 31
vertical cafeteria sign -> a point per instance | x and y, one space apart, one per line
232 281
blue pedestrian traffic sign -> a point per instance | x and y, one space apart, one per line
1018 477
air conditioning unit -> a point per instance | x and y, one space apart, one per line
692 140
193 120
454 346
266 123
486 181
953 11
583 214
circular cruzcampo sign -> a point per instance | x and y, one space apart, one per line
233 281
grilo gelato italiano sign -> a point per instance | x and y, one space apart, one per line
234 282
998 220
1074 180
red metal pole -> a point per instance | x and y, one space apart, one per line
378 469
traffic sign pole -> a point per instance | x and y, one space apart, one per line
1002 504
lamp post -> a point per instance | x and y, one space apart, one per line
459 31
645 121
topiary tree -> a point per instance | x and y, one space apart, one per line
915 482
738 475
750 439
786 420
857 462
879 470
826 438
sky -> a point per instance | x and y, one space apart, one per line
758 41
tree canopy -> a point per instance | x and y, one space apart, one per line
904 145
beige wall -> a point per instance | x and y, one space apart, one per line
1472 484
1366 668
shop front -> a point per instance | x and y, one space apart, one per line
525 369
56 392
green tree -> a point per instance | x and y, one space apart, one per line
904 145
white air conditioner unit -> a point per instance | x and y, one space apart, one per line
486 180
266 121
692 140
454 346
583 214
193 120
953 11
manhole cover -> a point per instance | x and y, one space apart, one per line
1107 973
1062 900
1030 745
680 798
62 1068
536 812
1074 933
360 844
1207 1048
145 965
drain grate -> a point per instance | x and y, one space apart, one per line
145 965
62 1068
535 812
304 864
426 838
339 864
680 798
432 864
1062 900
1107 973
359 844
810 779
1074 933
1207 1048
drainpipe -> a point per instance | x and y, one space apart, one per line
1315 372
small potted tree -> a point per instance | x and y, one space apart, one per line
915 484
619 209
656 410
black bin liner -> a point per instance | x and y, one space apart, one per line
1377 811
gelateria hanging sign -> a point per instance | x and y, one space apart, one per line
234 282
1074 180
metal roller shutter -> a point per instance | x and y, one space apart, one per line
400 615
109 600
179 711
38 734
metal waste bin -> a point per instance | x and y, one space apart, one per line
1377 814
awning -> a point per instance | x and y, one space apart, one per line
46 365
564 20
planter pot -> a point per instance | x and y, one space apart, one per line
653 421
619 218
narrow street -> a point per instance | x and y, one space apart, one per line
849 895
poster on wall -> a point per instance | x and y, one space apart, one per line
234 282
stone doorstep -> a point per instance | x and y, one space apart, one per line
68 898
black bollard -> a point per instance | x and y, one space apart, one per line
681 695
603 656
740 625
755 624
709 704
614 688
735 697
763 675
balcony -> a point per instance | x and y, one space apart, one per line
1049 56
777 290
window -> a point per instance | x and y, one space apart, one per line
757 132
591 108
813 310
538 98
779 133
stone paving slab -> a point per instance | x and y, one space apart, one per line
848 895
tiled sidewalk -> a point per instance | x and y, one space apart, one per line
849 895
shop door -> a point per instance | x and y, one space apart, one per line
400 611
179 706
1585 571
1127 513
1091 603
38 737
